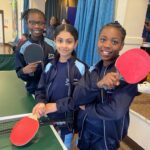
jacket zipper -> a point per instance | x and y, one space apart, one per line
49 85
104 127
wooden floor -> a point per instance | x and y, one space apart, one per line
141 105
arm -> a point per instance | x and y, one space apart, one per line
22 69
72 103
85 92
67 103
40 96
117 106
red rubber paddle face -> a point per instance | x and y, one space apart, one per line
133 65
23 131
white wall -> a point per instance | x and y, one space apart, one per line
7 8
131 14
39 4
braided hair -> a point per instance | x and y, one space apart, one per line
26 13
116 25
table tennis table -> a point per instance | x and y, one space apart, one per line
14 100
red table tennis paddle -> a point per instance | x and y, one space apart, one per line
24 130
133 65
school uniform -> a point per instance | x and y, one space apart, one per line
105 120
32 79
56 84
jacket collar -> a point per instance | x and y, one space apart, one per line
99 65
55 61
39 41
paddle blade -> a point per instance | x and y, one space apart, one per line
133 65
33 53
23 131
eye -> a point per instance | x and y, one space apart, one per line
59 40
115 42
39 23
69 41
32 22
102 39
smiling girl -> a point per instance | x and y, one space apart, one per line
58 81
35 20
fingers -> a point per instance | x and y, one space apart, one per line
39 109
82 107
110 80
36 63
113 79
30 68
33 65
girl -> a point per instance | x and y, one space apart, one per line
104 99
58 81
50 31
104 118
35 20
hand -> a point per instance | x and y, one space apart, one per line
30 68
110 80
50 108
82 107
39 109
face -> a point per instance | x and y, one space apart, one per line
65 44
36 25
109 44
63 21
23 37
53 21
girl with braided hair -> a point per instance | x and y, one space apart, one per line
35 20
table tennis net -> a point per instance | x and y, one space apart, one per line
6 126
8 122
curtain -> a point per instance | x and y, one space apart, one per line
25 7
55 8
71 14
91 16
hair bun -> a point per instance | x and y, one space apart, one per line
116 22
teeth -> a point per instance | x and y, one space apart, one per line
36 31
106 53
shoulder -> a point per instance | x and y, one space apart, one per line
81 66
96 67
48 67
22 48
50 43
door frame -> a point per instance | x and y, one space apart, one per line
2 29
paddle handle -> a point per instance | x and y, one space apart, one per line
34 116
